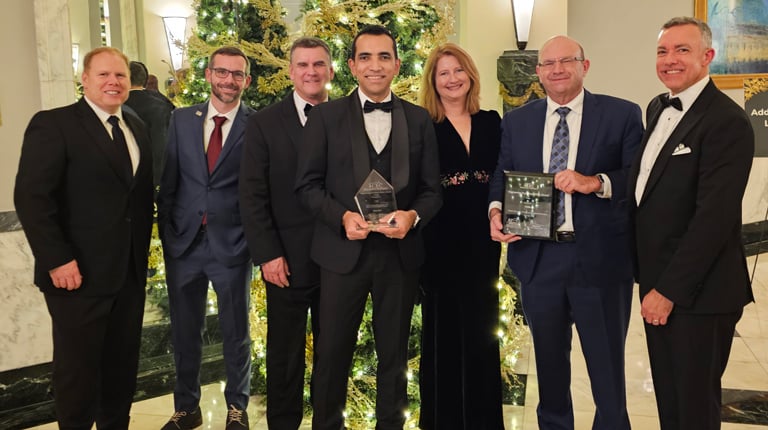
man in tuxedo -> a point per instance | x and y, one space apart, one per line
84 197
279 229
584 276
686 187
203 239
155 110
343 141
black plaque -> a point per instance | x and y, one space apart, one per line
529 204
375 200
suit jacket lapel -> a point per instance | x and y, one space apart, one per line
291 123
93 126
233 138
689 120
400 145
144 147
590 119
651 118
358 139
532 141
197 130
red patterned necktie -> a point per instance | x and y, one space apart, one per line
214 145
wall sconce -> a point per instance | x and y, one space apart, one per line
175 31
522 12
75 57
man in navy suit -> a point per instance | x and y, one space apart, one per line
279 230
686 187
84 197
585 276
203 239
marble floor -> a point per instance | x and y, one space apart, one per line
745 381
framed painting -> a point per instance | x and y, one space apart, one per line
739 37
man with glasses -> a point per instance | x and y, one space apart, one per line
203 239
584 277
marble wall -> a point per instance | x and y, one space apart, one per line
25 327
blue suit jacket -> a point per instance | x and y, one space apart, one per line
611 130
187 191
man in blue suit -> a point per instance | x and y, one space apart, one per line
585 276
203 239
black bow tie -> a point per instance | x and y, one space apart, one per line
667 102
370 106
307 107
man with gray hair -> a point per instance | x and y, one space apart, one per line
692 172
278 229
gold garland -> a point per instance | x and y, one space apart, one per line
754 86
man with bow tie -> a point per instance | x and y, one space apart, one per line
279 229
686 187
344 140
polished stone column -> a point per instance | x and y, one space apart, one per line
54 53
516 72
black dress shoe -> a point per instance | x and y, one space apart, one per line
183 420
236 419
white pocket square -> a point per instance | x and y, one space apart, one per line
681 150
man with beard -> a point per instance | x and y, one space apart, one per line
203 239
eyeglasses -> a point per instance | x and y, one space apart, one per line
565 61
222 73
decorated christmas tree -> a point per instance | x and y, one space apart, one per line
234 22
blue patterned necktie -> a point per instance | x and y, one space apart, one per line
558 159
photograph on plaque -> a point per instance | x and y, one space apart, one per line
376 199
529 202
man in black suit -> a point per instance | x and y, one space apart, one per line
155 110
278 229
84 197
687 185
343 141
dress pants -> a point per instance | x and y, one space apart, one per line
286 351
187 278
688 357
96 356
342 303
558 296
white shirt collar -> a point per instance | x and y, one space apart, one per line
576 105
102 114
363 97
690 94
212 112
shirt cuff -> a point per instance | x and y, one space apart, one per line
606 192
494 205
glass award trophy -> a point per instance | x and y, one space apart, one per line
375 200
529 204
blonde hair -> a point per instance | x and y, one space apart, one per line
428 96
104 49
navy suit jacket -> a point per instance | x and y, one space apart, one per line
187 191
74 201
334 162
688 222
611 130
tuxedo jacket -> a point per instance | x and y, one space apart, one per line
155 111
687 226
334 162
75 201
188 191
611 130
275 223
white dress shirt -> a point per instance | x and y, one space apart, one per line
378 124
667 123
209 125
133 147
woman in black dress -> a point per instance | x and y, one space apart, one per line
460 375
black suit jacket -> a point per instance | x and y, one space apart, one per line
74 203
334 162
275 223
155 111
688 222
